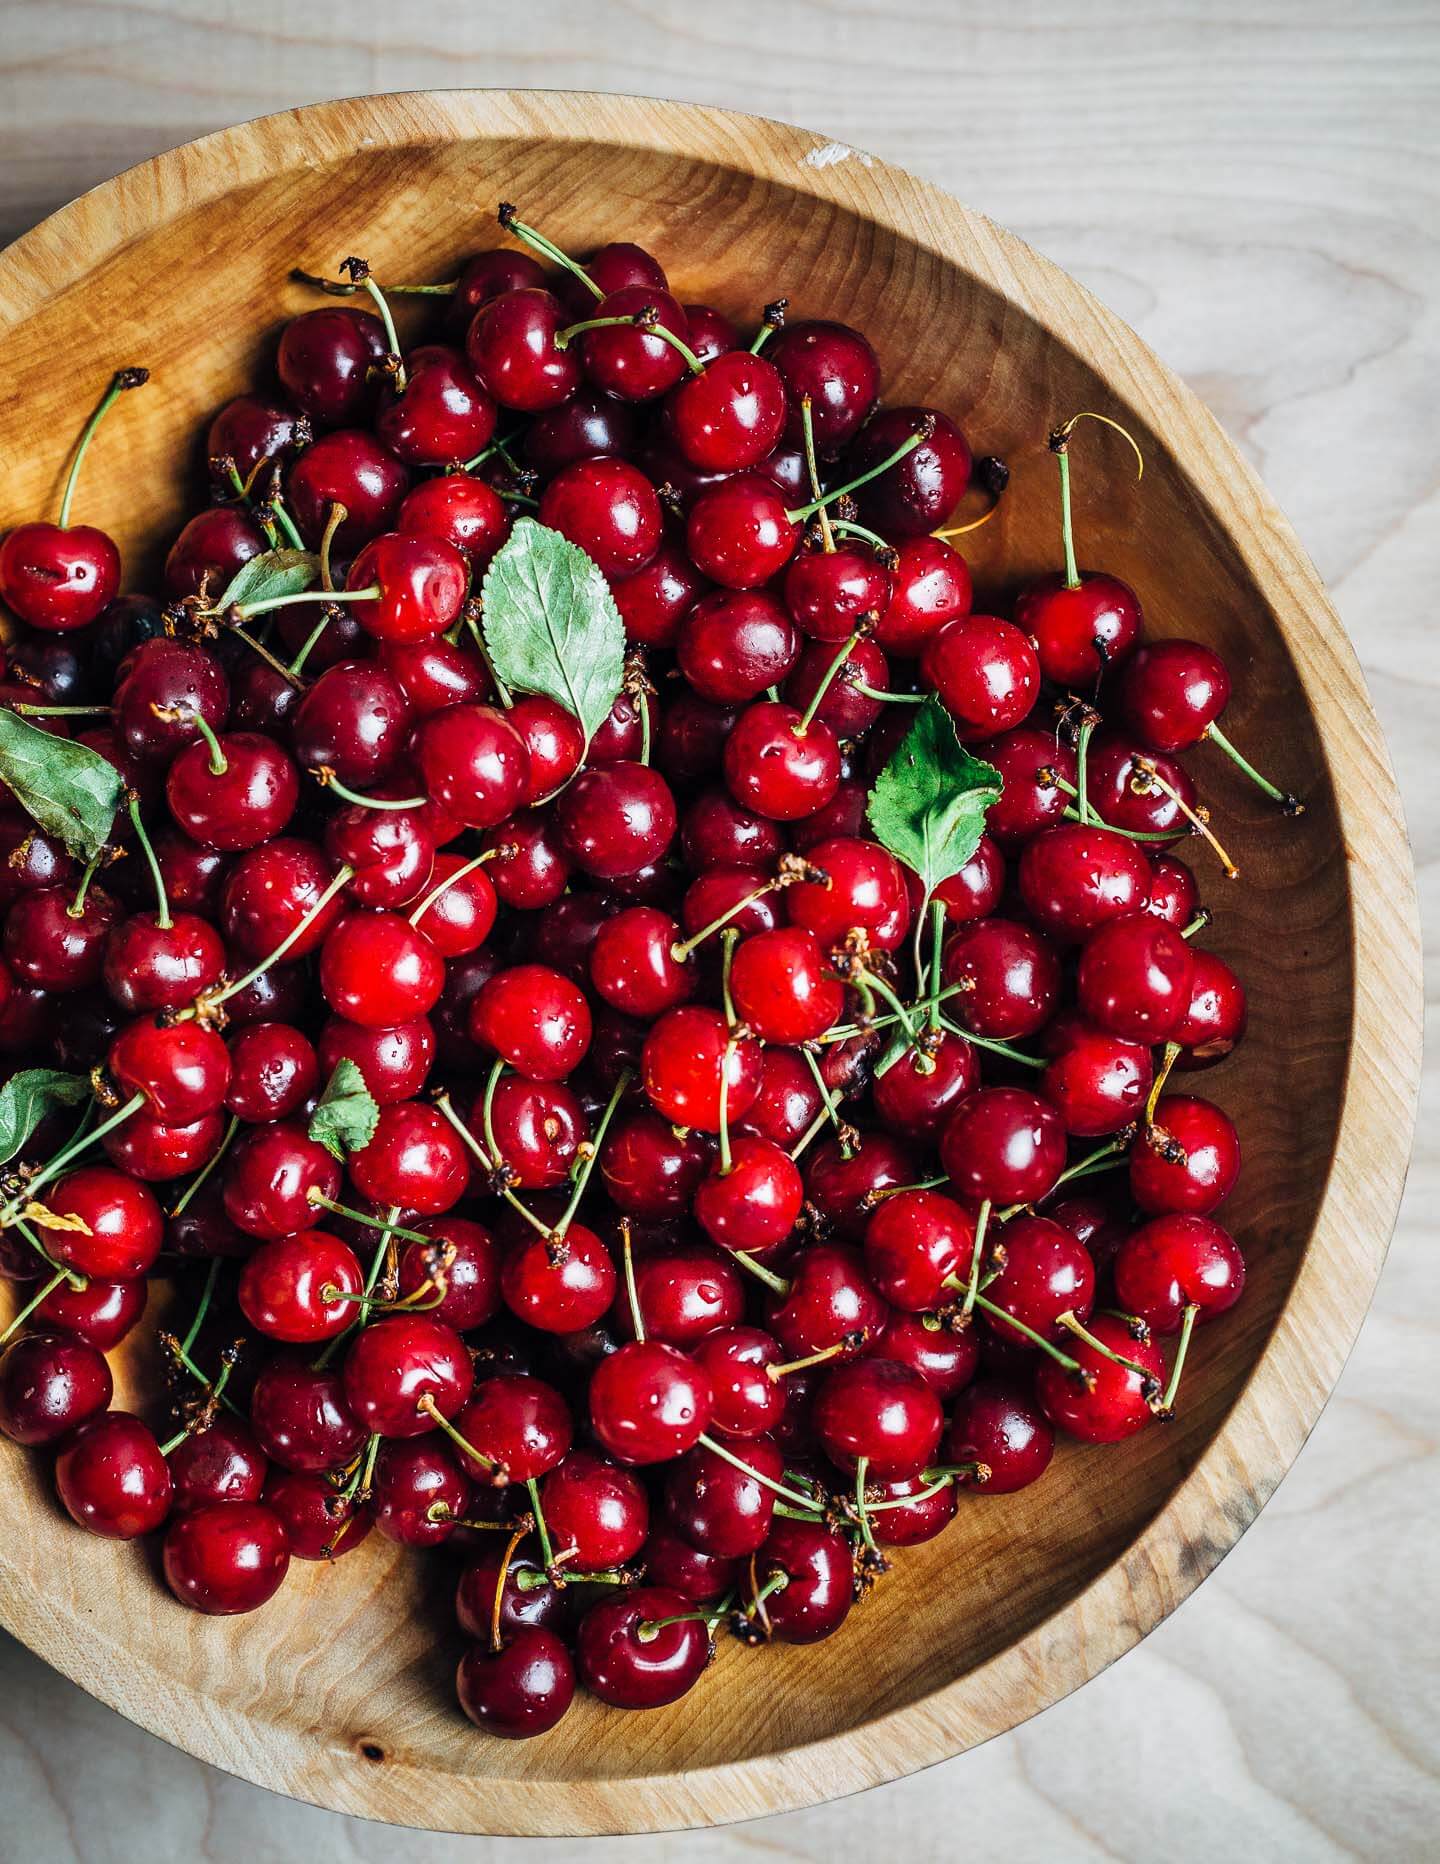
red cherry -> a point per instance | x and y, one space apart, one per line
844 1183
1217 1016
649 1172
1176 1262
930 587
754 1204
915 1104
721 1509
1009 978
378 970
462 511
49 1384
827 592
837 369
181 1069
578 429
320 1524
818 1571
881 1411
222 1463
676 1566
730 416
293 1287
267 894
50 946
1188 1161
1172 692
484 276
472 763
352 469
1173 895
921 490
394 1062
607 507
535 1019
649 1402
269 1174
788 1101
831 1303
401 1370
537 1603
523 1689
945 1360
986 671
423 582
746 1400
1081 630
630 1657
782 987
521 1424
687 1054
1135 978
1001 1426
1046 1272
633 964
102 1313
776 771
325 363
301 1418
915 1511
249 802
441 414
111 1477
420 1494
58 577
511 346
597 1514
740 532
153 967
226 1557
733 644
118 1226
617 819
864 888
415 1159
915 1243
1097 1083
560 1284
554 740
1075 876
1003 1144
1114 1402
252 428
653 599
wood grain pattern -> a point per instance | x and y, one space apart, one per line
1001 349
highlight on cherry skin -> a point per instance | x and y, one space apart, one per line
641 1034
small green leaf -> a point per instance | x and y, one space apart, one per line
28 1097
272 573
347 1114
929 802
70 790
551 624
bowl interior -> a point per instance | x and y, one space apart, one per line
354 1666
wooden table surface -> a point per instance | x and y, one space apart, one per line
1257 190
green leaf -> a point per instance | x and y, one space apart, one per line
929 802
70 790
28 1097
551 624
347 1114
272 573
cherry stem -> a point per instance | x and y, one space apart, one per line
1082 760
1130 834
363 1471
898 1009
729 939
681 950
1289 802
487 1109
492 1167
832 673
242 491
582 1177
342 878
62 711
76 908
337 290
388 1225
432 1410
830 1105
162 901
521 1529
78 1282
938 1487
1060 447
499 445
987 1306
337 516
1197 818
47 1288
1166 1406
452 880
219 763
972 1285
63 1157
377 1264
1198 923
937 935
307 646
807 424
907 446
772 319
862 1464
327 778
793 1496
209 1166
777 1284
285 521
247 611
547 1551
1073 1324
726 1162
632 1293
263 651
847 527
1162 1075
216 1390
123 379
546 248
776 1373
873 1198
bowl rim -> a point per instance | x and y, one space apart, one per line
1286 1390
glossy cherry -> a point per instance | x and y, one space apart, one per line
49 1384
1001 1425
111 1477
226 1557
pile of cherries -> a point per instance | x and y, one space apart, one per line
715 1209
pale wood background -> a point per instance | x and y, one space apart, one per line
1257 189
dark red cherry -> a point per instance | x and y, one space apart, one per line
511 346
520 1690
538 1128
914 1103
420 1494
112 1478
653 599
49 1384
633 964
1076 876
268 893
50 946
472 763
394 1062
521 1424
616 819
442 414
844 1183
649 1402
1009 977
828 592
718 832
626 359
269 1174
722 1509
1003 1144
167 677
609 509
842 706
415 1159
1080 631
836 367
740 532
776 771
672 1563
301 1418
586 425
536 1602
1029 761
1144 791
154 1150
649 1172
554 740
1097 1083
252 428
295 1288
1046 1272
863 887
711 332
58 578
921 490
102 1313
882 1412
597 1514
182 1069
788 1101
1217 1016
684 1293
1187 1161
320 1523
392 853
629 1655
734 644
944 1359
818 1571
153 967
1173 895
352 469
914 1511
461 511
222 1463
737 1361
831 1303
1000 1425
1114 1402
226 1557
916 1244
484 276
209 552
986 671
1172 692
611 267
250 801
402 1369
1135 978
930 587
727 418
326 362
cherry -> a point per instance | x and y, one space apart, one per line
834 690
774 769
538 1127
837 369
519 1423
511 346
944 1359
403 1369
301 1417
648 1171
915 1245
270 1172
782 987
422 584
1187 1161
484 276
1114 1401
248 801
150 966
630 1654
351 469
985 670
828 592
420 1494
226 1557
612 267
111 1477
597 1515
461 511
559 1284
830 1303
441 414
395 1062
672 1563
320 1523
879 1412
118 1229
751 1205
102 1313
1076 876
1046 1272
930 587
915 1104
718 832
49 1384
415 1159
914 1511
252 428
530 869
920 491
473 763
1029 762
1174 1263
722 1509
652 599
31 859
211 549
730 415
817 1569
49 945
844 1182
1000 1425
741 897
554 740
740 532
293 1288
734 644
392 854
268 894
622 354
1003 1144
1080 627
633 964
685 1292
1172 692
521 1689
181 1069
586 425
688 1054
1009 978
377 970
649 1402
165 688
535 1019
1217 1016
1097 1083
536 1603
609 509
788 1101
1135 978
1173 895
325 363
863 888
616 819
222 1463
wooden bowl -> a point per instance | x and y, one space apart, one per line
340 1691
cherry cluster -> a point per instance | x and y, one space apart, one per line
670 1145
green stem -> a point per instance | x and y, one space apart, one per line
807 426
76 908
63 1157
209 1166
1130 834
775 1283
487 1109
830 1103
162 902
1082 759
793 1496
847 527
386 1224
1073 1324
988 1306
546 248
862 1464
307 646
1067 526
832 673
582 1177
632 1293
1290 803
123 379
907 446
972 1285
247 611
62 711
937 937
297 931
202 1307
346 794
392 340
547 1552
1187 1327
47 1288
445 1108
451 880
